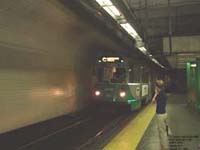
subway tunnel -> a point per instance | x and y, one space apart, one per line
81 74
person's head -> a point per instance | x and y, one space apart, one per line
160 84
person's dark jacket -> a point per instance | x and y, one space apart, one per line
161 101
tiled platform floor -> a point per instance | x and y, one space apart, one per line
185 126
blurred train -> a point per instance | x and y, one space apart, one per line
123 82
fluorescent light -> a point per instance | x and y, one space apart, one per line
139 43
129 29
143 49
104 2
113 11
161 66
133 35
193 65
155 61
138 38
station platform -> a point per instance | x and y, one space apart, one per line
142 134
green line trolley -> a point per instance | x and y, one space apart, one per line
114 84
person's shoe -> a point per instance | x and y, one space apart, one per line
169 132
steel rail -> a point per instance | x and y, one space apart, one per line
52 134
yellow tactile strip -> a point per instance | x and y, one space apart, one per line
130 136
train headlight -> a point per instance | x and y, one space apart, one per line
97 93
122 94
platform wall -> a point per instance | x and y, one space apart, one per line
46 57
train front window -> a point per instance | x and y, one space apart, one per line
119 75
111 74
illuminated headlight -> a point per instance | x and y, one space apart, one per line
122 94
97 93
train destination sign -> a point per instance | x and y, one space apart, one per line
110 59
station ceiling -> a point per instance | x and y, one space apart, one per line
156 20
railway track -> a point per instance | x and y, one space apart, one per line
82 134
85 131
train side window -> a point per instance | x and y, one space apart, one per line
136 73
131 75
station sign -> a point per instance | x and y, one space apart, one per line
110 59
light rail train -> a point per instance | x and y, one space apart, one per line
121 83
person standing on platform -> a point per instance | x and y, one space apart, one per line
160 99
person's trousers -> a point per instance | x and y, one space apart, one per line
162 126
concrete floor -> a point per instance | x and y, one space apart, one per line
185 126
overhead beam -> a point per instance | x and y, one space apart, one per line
158 27
152 4
163 12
